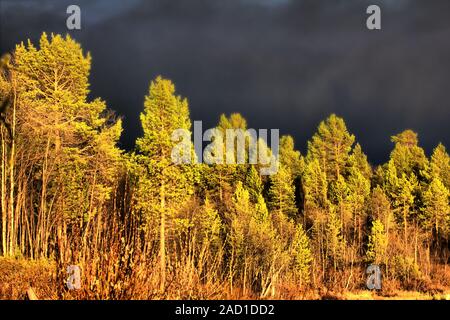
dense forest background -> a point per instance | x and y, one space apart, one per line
141 227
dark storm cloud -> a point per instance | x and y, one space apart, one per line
282 64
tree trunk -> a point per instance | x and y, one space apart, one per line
405 227
162 242
11 178
3 194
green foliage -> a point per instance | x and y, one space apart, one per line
220 178
331 146
241 199
377 246
282 193
380 207
359 191
72 137
339 194
253 183
209 223
436 213
57 72
255 244
400 190
405 268
291 158
408 157
357 161
404 196
335 243
163 187
338 191
440 165
315 186
77 197
235 121
261 211
302 256
163 113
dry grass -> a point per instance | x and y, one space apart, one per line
17 275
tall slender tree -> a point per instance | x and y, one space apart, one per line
164 186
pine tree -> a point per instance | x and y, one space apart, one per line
261 211
302 256
436 213
291 158
255 248
404 200
209 227
236 122
253 183
358 161
242 208
315 186
359 191
378 242
164 187
241 199
335 242
440 165
380 207
390 180
67 143
339 196
408 157
222 176
331 145
282 193
238 233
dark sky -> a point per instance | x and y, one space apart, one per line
283 64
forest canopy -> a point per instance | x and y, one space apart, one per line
141 227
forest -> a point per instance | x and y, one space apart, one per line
141 227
